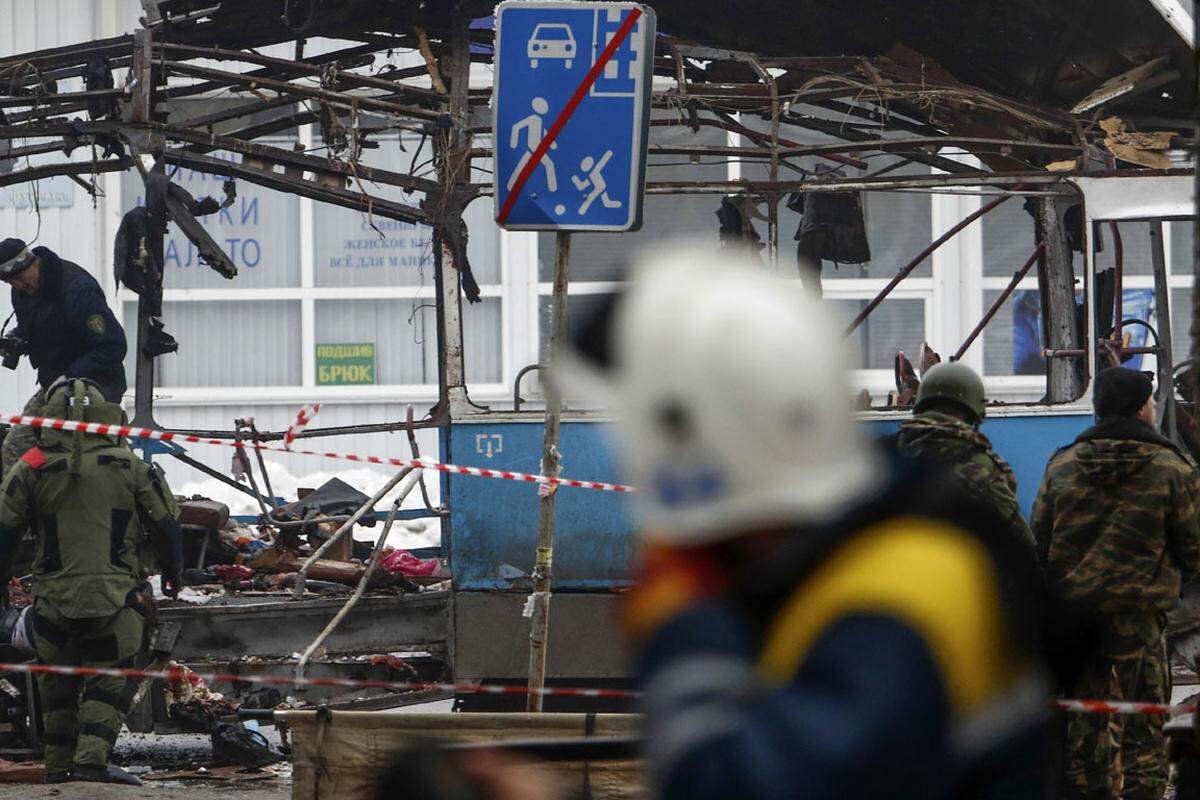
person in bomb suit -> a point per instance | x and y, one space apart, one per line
99 515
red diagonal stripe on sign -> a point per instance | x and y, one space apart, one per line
568 110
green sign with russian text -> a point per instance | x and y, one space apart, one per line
345 364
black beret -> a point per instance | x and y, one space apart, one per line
14 257
1121 391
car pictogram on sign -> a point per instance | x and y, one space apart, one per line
552 40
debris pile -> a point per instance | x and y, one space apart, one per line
192 703
227 555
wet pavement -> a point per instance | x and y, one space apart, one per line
145 754
273 789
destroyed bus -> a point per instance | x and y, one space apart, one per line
1097 238
1018 148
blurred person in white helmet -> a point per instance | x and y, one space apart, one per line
811 619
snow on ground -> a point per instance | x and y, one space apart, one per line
405 533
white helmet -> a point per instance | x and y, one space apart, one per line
735 412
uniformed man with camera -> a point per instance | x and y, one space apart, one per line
65 327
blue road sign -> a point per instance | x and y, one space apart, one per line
572 110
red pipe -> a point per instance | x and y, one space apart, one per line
924 254
991 312
1118 279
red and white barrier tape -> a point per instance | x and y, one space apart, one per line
1122 707
345 683
103 429
176 674
303 417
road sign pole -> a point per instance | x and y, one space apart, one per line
539 630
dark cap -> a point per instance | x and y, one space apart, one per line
1121 392
14 258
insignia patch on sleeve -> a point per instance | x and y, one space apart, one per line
95 323
34 458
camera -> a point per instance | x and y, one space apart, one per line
11 350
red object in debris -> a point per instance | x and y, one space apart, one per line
18 597
395 662
232 572
181 678
402 562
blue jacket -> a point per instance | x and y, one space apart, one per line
886 666
69 327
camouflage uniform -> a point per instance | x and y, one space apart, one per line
948 440
1117 532
86 498
21 437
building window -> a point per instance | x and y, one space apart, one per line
897 324
355 307
213 339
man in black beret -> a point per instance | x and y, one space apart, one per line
1117 533
65 327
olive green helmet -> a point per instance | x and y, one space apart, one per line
954 382
79 399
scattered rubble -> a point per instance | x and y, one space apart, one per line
22 771
231 773
230 556
1143 149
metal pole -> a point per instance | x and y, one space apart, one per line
1162 306
265 512
150 300
773 197
996 306
1065 377
212 473
1077 352
452 147
262 464
1118 279
1194 330
928 251
360 512
413 479
539 629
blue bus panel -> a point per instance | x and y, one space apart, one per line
493 523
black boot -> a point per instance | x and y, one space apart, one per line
58 776
110 773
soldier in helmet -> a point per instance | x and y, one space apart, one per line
945 427
812 618
1117 532
90 502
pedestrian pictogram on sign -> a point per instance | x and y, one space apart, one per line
572 111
